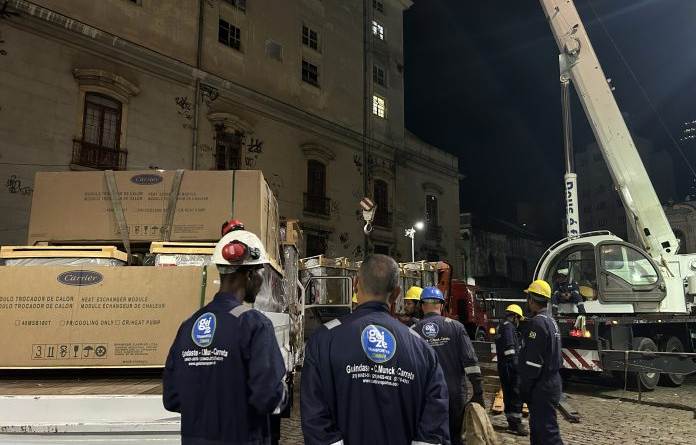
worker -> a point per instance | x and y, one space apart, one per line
567 293
354 302
507 346
224 372
539 362
457 357
412 307
368 379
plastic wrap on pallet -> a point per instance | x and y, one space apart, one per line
291 269
270 297
64 262
180 259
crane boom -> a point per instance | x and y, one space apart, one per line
579 64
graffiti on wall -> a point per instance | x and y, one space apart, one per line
14 186
209 94
276 183
254 149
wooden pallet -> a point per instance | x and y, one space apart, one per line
9 252
182 248
498 406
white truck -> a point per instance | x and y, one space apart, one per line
640 320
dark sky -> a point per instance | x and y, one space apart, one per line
482 82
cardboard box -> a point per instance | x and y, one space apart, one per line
96 316
69 207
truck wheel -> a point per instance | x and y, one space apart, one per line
648 380
671 344
480 335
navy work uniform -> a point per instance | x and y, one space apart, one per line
539 362
507 347
225 375
458 360
567 294
369 380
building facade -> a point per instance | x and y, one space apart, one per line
308 91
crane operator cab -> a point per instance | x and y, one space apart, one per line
601 274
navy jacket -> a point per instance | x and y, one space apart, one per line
369 380
454 349
540 356
507 344
225 375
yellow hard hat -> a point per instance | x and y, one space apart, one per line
355 297
515 309
414 293
539 288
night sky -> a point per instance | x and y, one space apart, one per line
482 82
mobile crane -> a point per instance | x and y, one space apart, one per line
638 298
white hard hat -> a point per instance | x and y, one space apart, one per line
239 248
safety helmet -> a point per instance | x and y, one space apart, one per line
414 293
432 293
238 247
355 297
515 309
540 289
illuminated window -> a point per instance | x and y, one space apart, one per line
379 106
377 30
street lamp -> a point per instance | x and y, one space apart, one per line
411 233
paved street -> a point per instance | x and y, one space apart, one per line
608 416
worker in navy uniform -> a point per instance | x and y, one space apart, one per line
507 346
369 380
225 373
566 293
457 357
412 307
539 362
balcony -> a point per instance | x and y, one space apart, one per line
319 205
98 157
382 220
433 233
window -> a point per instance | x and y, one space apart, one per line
228 151
310 38
379 6
596 156
622 219
315 197
310 73
274 50
601 205
601 222
599 189
379 106
431 210
101 134
378 76
628 264
586 193
229 35
377 30
316 244
239 4
382 215
586 208
382 249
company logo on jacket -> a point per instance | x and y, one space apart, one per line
378 343
204 330
430 330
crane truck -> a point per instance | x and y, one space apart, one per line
639 298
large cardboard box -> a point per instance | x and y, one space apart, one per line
77 207
96 316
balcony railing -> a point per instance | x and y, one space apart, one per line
95 156
321 205
382 220
433 233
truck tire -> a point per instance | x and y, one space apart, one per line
671 344
480 335
648 380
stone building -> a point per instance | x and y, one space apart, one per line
308 91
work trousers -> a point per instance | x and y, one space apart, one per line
510 383
457 400
543 399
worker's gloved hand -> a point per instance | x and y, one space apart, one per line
478 398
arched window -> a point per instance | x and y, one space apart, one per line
315 197
101 134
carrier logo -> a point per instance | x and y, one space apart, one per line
203 330
80 278
147 179
378 343
431 330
